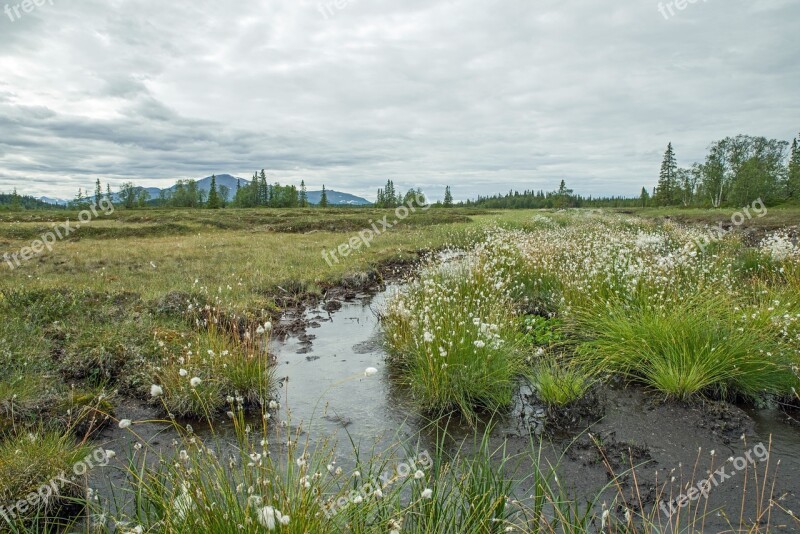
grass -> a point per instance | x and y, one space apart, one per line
559 383
454 337
699 346
30 461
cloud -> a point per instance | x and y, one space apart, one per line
482 95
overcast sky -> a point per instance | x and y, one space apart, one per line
482 95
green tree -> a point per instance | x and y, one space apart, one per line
224 195
213 196
127 192
448 198
323 200
303 194
644 197
108 193
667 186
16 201
98 192
142 197
793 173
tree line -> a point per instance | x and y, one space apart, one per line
736 171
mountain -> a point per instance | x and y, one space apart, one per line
335 198
55 201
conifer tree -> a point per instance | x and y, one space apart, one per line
448 198
323 200
213 195
666 192
303 194
263 198
98 192
108 193
793 178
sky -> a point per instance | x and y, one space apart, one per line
482 95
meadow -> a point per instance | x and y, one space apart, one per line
175 310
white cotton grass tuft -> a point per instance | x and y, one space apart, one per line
266 516
183 504
370 371
427 493
156 390
196 381
125 423
183 372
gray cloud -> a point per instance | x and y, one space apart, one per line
481 95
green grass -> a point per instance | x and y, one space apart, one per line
699 346
29 461
454 337
559 383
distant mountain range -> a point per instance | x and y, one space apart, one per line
335 198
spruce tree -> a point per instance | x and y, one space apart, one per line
793 178
98 192
323 200
263 189
303 194
448 198
645 197
213 196
666 191
108 193
16 201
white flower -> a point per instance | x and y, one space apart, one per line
370 371
282 519
419 474
273 405
266 516
110 455
183 372
260 330
156 391
196 382
480 344
183 504
125 423
428 337
427 494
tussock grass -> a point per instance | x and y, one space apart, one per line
455 338
559 382
698 346
31 460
